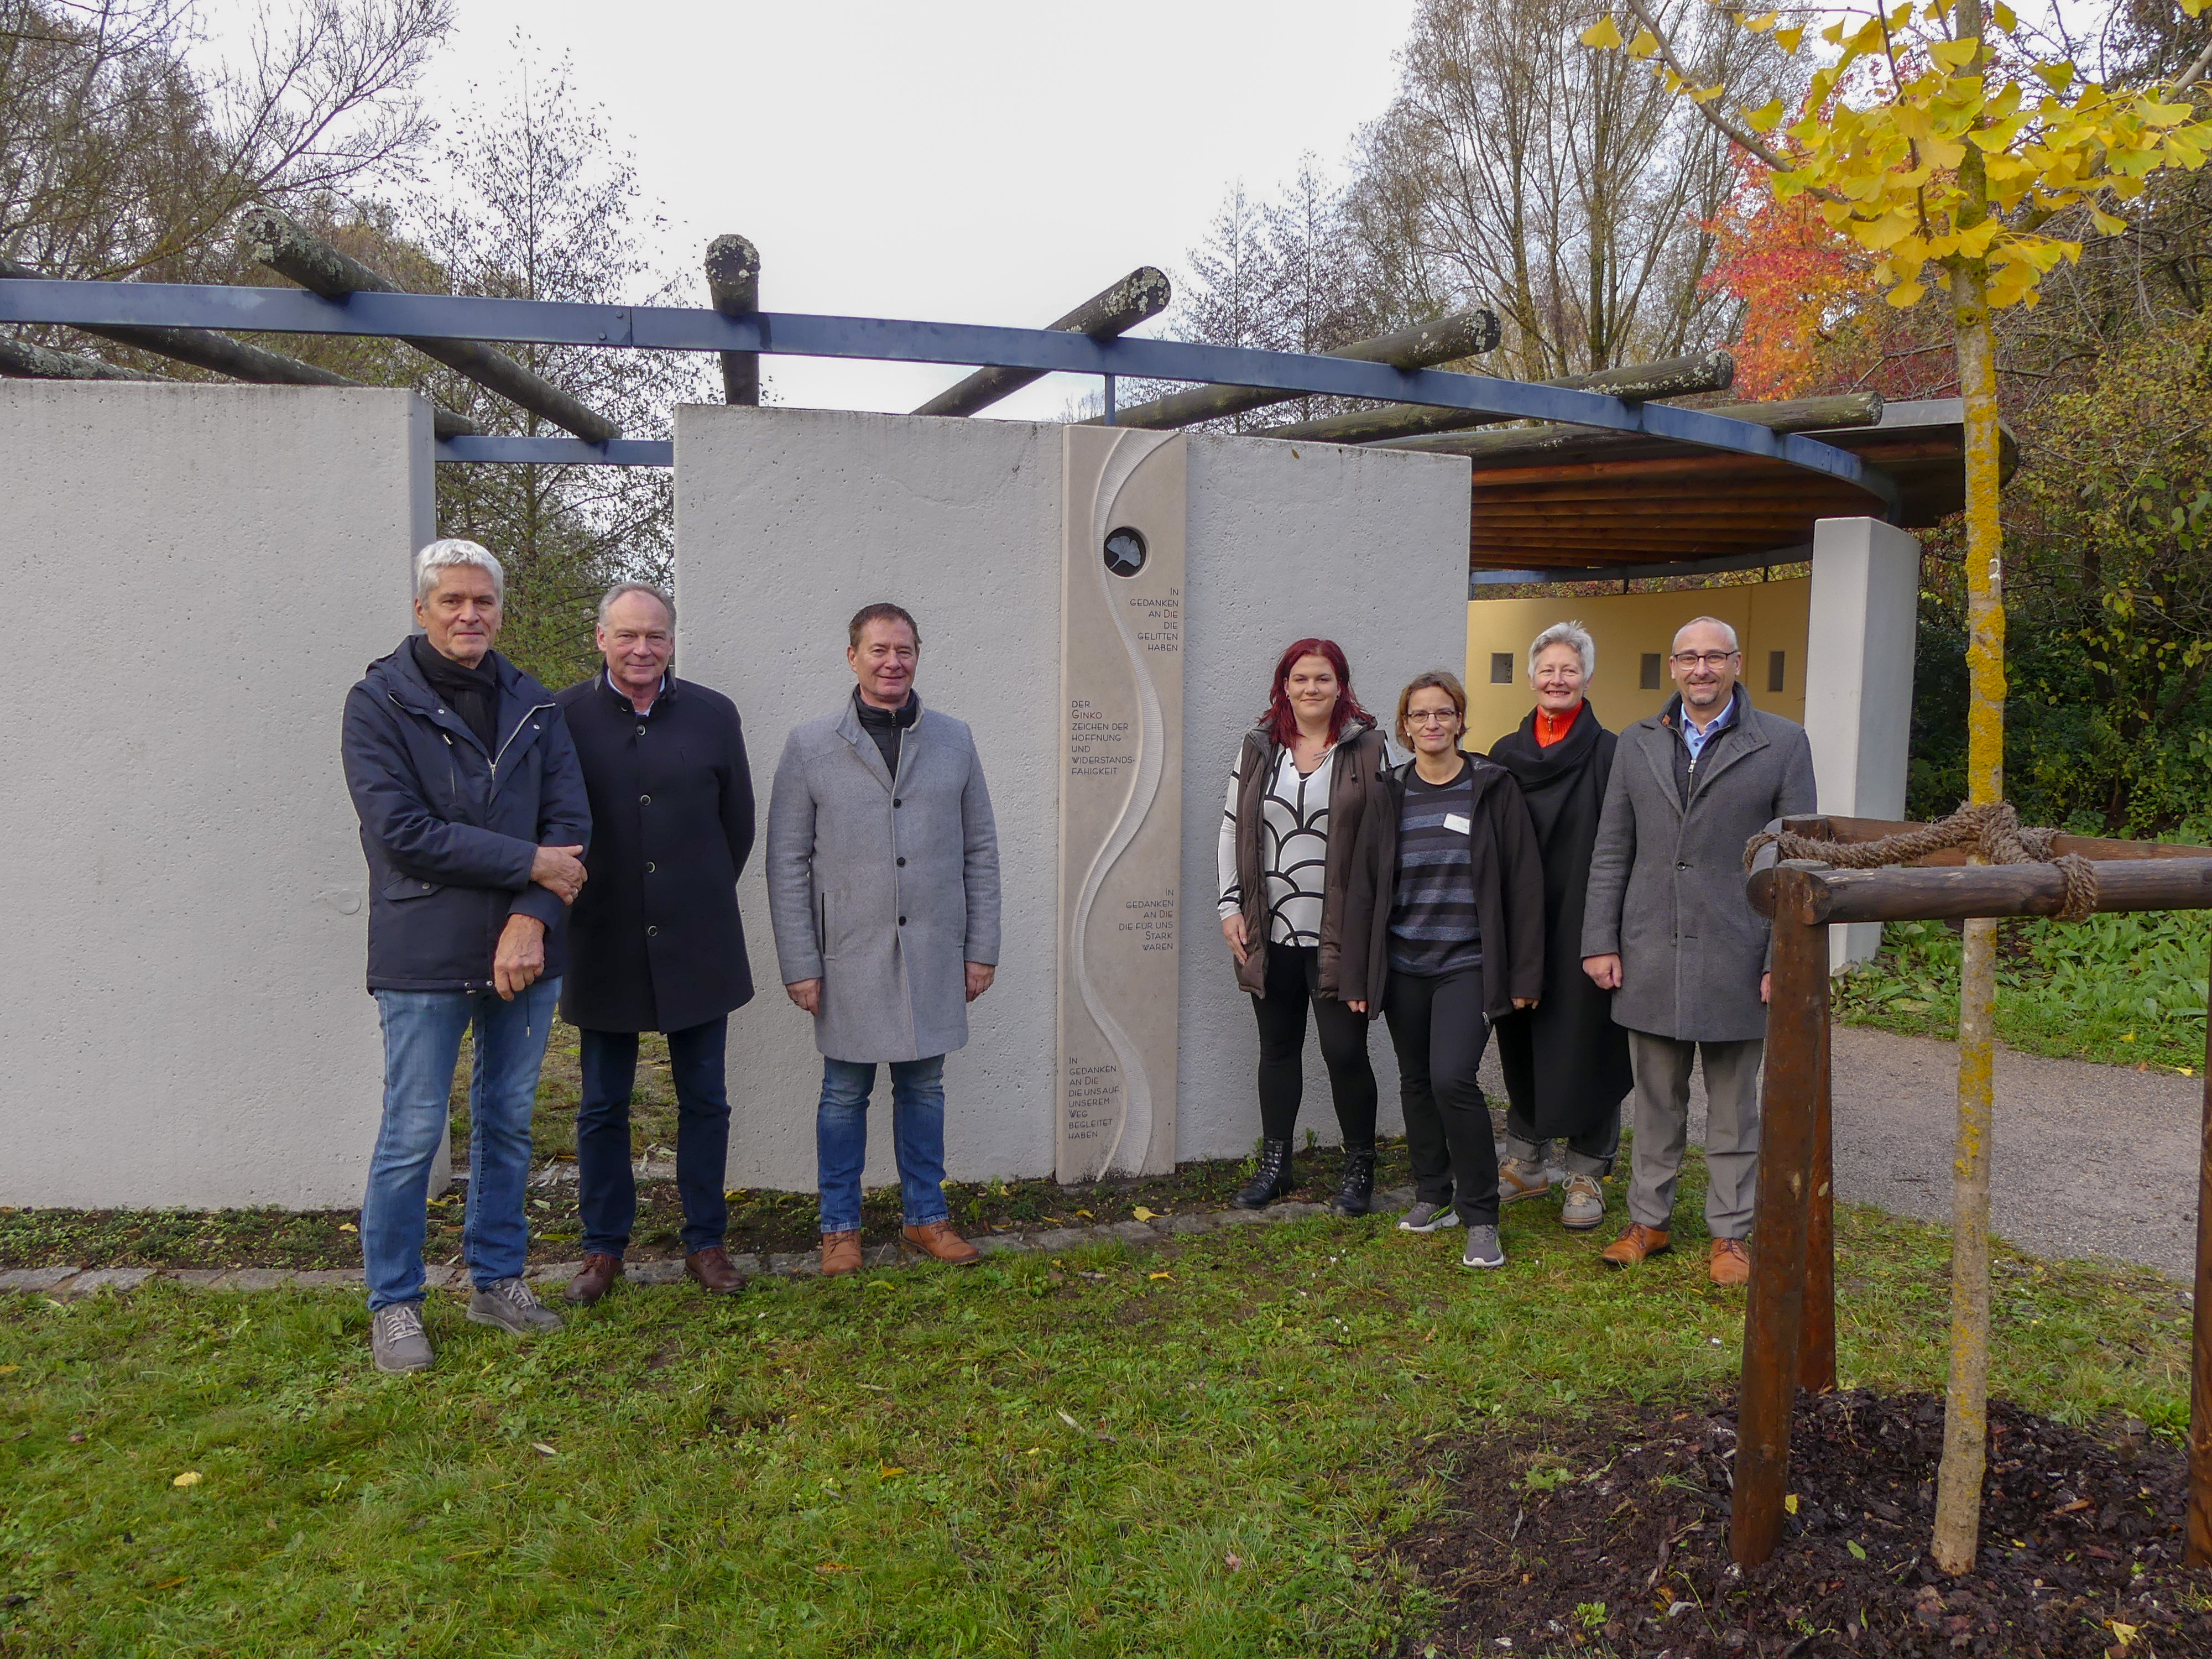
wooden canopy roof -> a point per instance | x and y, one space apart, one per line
1604 502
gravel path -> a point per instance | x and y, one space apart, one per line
1896 1103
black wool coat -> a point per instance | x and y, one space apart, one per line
655 941
1565 1061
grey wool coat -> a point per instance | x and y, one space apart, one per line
883 889
1666 877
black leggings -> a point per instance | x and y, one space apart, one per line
1438 1027
1293 982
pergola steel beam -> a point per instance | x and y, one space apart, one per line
307 259
669 328
1634 383
216 353
1446 340
1143 293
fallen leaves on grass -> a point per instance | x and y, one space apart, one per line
189 1478
889 1471
1144 1214
540 1447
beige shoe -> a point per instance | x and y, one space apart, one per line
1517 1181
841 1253
1585 1204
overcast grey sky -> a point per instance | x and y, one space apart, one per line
965 161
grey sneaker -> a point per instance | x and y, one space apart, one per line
396 1338
510 1304
1483 1250
1517 1181
1585 1205
1427 1218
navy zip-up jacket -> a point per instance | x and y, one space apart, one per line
450 830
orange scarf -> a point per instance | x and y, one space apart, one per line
1551 727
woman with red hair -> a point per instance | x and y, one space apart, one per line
1288 829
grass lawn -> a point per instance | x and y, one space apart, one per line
1202 1451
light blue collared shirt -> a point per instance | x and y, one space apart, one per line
1697 739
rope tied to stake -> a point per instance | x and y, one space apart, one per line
1994 831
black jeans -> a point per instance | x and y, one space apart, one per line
1293 984
1438 1027
606 1192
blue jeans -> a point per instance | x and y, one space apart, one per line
606 1187
421 1042
840 1138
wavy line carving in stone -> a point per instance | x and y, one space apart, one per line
1122 797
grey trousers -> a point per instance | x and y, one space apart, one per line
1662 1122
1590 1154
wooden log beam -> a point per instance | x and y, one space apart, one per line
1447 340
219 354
733 285
1897 893
296 254
1797 1017
22 360
1635 383
1143 293
1799 414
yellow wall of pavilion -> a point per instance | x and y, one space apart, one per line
1768 617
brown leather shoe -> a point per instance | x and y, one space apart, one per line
1636 1244
937 1239
1731 1263
598 1277
841 1253
711 1267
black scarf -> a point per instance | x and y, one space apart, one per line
473 692
884 725
1546 773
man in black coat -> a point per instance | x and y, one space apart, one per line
657 944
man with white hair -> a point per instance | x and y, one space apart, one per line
1667 929
474 820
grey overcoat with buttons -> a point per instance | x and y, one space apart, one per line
883 889
1665 879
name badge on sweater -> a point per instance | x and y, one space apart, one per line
1457 824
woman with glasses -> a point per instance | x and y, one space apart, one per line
1444 930
1565 1061
1302 779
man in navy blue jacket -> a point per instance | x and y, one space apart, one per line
474 820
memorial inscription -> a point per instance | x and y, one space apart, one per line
1121 803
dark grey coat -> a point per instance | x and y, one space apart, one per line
883 890
1666 884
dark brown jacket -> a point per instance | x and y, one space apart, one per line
1361 756
1509 891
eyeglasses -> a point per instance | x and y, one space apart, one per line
1433 717
1711 659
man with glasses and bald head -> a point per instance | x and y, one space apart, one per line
1668 931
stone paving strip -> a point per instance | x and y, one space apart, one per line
70 1282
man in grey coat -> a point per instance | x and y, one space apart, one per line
1668 931
883 887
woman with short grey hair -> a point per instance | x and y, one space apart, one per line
1565 1061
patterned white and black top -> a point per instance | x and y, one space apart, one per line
1293 848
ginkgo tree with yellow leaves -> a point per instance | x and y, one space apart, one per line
1955 146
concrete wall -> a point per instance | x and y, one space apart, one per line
1367 547
203 572
1858 694
788 520
1767 617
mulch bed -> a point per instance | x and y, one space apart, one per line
1610 1536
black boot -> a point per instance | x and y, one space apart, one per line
1357 1195
1271 1181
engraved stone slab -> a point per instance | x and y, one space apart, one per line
1120 800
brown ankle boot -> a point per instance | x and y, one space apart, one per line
1640 1243
841 1253
711 1267
597 1278
937 1239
